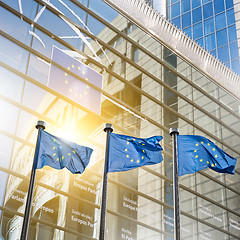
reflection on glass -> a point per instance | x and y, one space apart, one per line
197 15
197 30
230 17
210 42
186 20
13 55
232 33
219 6
229 4
196 3
222 37
185 4
176 21
12 88
8 121
208 26
220 21
175 10
3 183
223 53
207 10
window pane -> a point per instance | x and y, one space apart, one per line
222 37
234 50
186 20
223 54
196 3
13 55
175 10
208 26
176 21
214 53
207 10
185 5
197 31
230 17
228 64
210 43
12 88
232 33
6 145
197 15
3 183
8 123
220 21
236 66
174 1
229 4
218 6
200 41
188 31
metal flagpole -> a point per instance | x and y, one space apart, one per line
174 132
28 207
107 128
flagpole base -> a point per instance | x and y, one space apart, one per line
108 127
41 124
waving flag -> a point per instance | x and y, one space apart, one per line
59 153
196 153
126 152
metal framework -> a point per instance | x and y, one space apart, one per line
42 116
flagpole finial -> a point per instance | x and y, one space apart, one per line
173 130
41 124
108 127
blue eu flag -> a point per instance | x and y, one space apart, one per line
59 153
196 153
126 152
72 87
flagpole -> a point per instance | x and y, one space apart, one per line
107 128
28 207
174 132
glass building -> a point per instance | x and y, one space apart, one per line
212 24
144 87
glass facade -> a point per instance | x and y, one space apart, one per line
146 89
210 23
